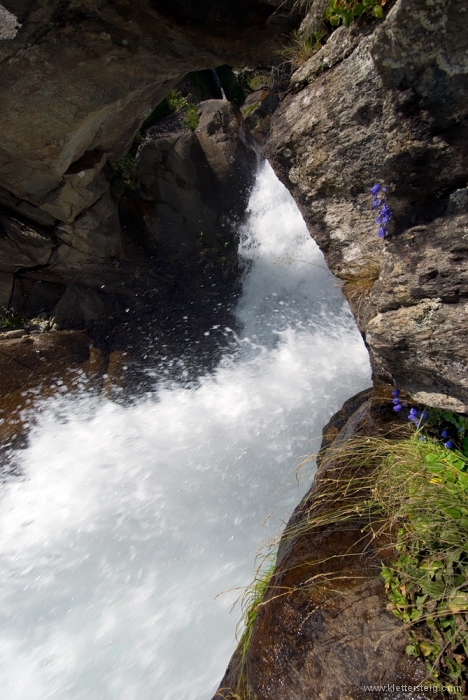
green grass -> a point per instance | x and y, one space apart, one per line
252 599
423 490
413 492
301 48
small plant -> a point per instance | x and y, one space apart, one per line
11 320
415 492
449 428
345 11
127 169
302 48
191 118
358 284
174 102
428 583
252 599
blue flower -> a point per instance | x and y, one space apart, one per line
448 444
397 407
375 189
414 412
396 393
382 232
395 401
444 434
424 415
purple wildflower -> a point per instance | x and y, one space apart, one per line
444 434
397 408
385 213
448 444
396 393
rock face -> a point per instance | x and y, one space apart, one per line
78 79
390 107
80 76
196 181
193 187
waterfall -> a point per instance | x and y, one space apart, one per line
127 520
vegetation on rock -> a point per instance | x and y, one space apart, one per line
345 11
411 491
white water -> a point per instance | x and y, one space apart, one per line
129 520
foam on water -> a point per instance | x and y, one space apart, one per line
130 519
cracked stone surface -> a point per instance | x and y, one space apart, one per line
391 107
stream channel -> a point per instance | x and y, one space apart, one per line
126 520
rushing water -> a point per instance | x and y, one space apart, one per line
127 521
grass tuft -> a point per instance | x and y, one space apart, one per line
252 599
412 490
301 48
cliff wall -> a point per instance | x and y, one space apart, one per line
389 105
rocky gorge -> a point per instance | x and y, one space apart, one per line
380 102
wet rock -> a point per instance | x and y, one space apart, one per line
28 361
390 107
196 182
32 367
323 631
